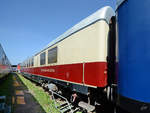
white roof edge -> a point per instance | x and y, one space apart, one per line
104 13
118 3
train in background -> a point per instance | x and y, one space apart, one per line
5 65
14 68
81 60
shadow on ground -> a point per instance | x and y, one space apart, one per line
18 95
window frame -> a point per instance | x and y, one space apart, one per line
43 60
54 57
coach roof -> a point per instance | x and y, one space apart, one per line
104 13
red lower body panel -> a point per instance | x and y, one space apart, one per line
93 74
3 66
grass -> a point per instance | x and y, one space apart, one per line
40 95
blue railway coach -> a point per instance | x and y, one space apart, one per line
134 55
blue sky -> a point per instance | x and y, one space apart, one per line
26 26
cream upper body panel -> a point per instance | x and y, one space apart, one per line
86 45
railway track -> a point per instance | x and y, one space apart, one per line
62 102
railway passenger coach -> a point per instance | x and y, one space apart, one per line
5 66
81 59
134 56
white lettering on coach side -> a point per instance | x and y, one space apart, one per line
48 70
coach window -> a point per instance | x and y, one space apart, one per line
52 55
32 62
28 63
42 58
